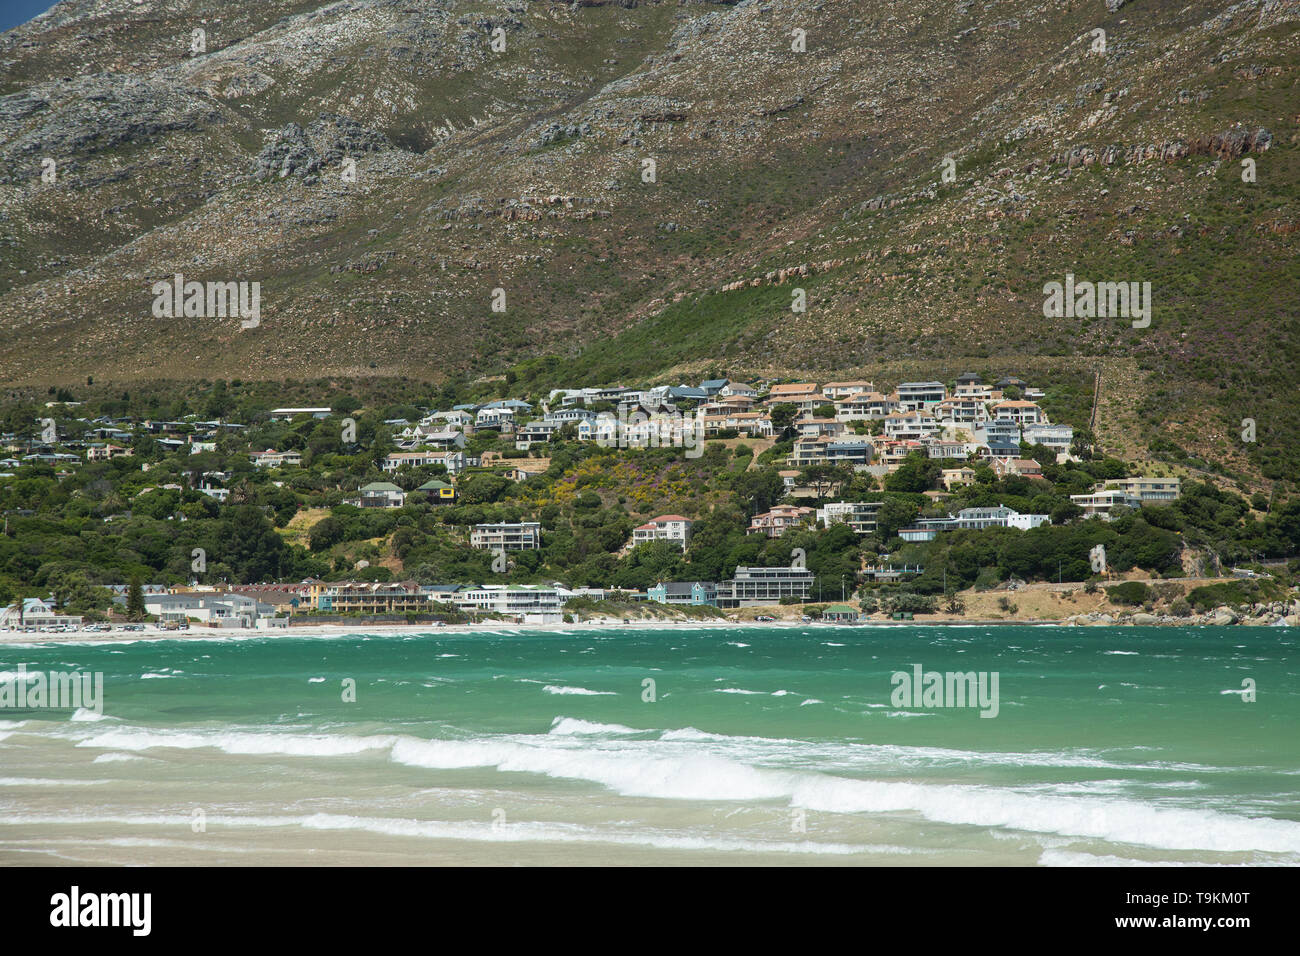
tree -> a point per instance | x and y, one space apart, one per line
823 476
135 610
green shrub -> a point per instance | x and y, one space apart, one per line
1131 593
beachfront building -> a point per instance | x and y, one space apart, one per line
367 597
215 608
755 587
684 592
524 603
33 612
507 536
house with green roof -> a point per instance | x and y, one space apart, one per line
379 494
840 612
438 491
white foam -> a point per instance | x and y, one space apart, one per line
239 742
571 726
83 716
579 691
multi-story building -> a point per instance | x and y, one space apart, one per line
858 515
275 459
379 494
367 597
840 450
864 406
525 603
751 587
972 519
453 461
1103 503
684 592
1019 411
1145 489
776 522
672 528
1059 438
840 390
913 396
507 536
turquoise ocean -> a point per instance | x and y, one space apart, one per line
685 745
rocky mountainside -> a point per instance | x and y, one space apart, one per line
435 187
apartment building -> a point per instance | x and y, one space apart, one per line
858 515
752 587
507 536
1145 489
367 597
672 528
913 396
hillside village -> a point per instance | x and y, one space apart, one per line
807 491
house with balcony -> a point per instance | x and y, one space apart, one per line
507 536
275 459
1146 490
914 396
837 391
691 593
780 519
672 528
367 597
864 406
758 587
379 494
852 450
1059 438
1102 504
1020 411
454 461
858 515
524 603
752 424
1016 468
957 477
913 425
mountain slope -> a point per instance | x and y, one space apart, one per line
521 169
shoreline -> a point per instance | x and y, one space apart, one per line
601 625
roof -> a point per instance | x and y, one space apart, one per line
380 486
